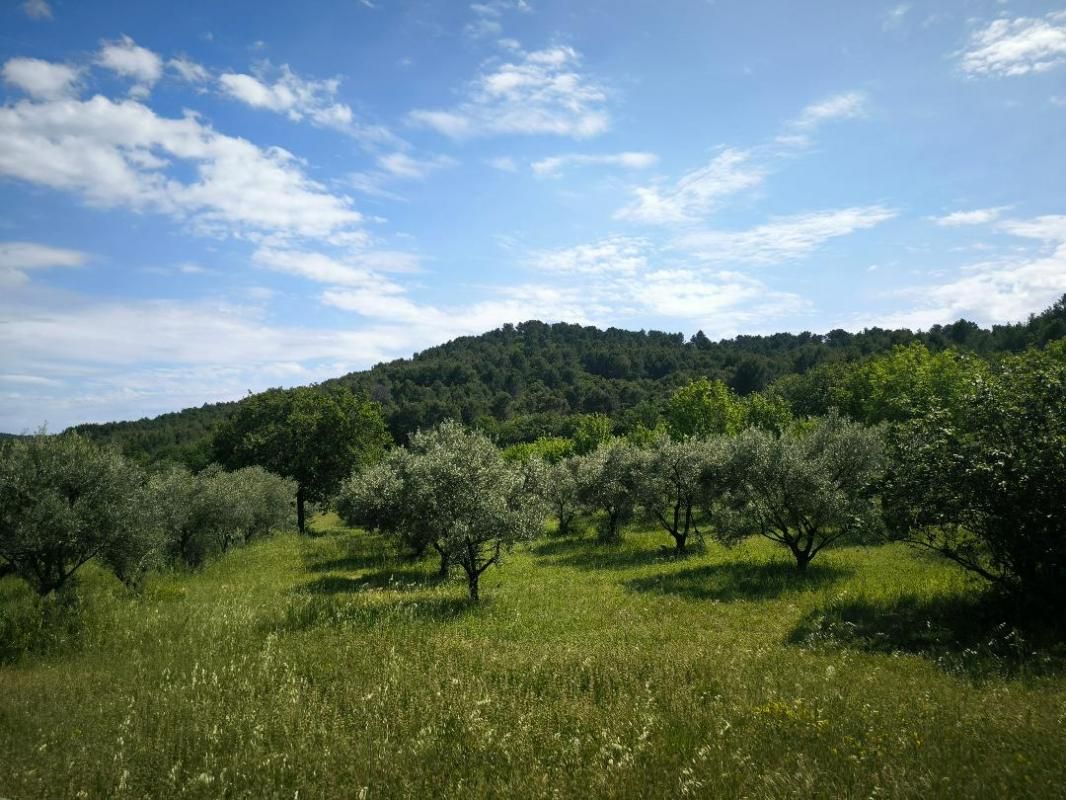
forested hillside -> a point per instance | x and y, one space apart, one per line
532 379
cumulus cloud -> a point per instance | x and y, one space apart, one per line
128 59
553 165
697 192
42 79
1017 46
542 93
16 258
122 153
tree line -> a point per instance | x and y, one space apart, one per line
964 458
532 379
944 450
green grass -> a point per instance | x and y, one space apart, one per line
325 666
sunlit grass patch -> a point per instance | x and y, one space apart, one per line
332 666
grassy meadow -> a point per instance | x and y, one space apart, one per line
326 666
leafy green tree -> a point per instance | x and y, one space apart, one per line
807 488
986 486
703 408
592 431
606 480
768 412
905 383
313 436
64 501
551 449
478 504
677 483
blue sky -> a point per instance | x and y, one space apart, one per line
211 198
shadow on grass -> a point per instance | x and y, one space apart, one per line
394 579
361 551
311 611
590 554
976 635
739 581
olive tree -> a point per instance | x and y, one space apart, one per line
64 501
380 497
677 482
984 483
561 493
807 488
477 504
606 483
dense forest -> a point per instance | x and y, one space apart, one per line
532 379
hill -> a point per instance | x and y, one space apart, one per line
530 379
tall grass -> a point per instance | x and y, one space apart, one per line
325 666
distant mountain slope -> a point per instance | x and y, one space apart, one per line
525 380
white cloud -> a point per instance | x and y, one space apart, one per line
1001 290
301 98
42 79
120 153
397 166
724 301
553 165
128 59
401 165
543 93
1016 46
357 269
37 9
189 71
1048 228
618 254
846 105
503 163
18 257
978 216
783 238
697 192
488 15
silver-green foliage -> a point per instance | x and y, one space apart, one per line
807 488
453 489
677 483
64 501
606 480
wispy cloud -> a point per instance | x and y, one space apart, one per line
300 98
1016 46
618 254
554 165
783 238
17 258
998 290
733 170
542 93
978 216
37 9
697 192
